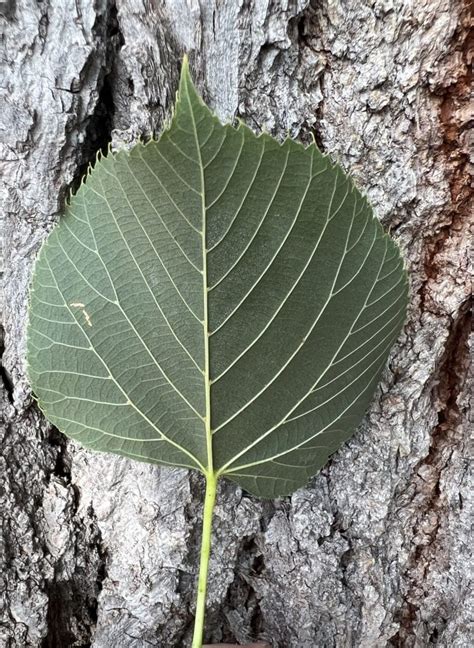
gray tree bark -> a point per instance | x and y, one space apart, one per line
377 550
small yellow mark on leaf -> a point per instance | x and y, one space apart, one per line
84 312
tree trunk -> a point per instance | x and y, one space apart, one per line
101 551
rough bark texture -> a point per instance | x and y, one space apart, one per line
100 551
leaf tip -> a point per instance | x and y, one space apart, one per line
185 81
185 64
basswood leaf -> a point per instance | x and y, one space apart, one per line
215 300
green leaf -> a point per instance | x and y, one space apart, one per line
215 300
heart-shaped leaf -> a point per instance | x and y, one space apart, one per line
215 300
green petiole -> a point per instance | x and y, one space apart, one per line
209 503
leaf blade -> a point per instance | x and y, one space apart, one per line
215 300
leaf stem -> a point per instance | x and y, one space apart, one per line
209 503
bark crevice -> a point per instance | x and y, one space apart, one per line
431 505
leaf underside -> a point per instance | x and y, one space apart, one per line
215 300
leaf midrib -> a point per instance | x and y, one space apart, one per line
207 382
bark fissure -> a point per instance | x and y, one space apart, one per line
447 437
5 378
